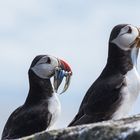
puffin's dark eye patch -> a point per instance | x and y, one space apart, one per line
130 30
49 60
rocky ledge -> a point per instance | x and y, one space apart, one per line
124 129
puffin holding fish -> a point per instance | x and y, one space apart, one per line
42 107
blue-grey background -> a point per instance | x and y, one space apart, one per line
75 30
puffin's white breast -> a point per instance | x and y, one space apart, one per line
129 93
54 108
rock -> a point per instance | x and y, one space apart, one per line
124 129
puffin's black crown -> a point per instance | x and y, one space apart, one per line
116 30
36 59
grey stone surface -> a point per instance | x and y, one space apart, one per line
124 129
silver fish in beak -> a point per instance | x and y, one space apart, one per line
61 72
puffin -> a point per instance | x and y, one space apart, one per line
42 106
114 92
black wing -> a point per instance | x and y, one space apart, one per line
101 100
26 121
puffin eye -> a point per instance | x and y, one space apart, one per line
49 60
129 30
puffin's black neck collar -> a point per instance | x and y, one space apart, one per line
119 60
40 89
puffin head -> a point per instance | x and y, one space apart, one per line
47 66
125 36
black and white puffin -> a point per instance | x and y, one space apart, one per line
42 106
114 92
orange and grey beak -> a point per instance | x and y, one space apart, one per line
138 39
63 70
65 66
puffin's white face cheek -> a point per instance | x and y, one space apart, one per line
126 37
45 69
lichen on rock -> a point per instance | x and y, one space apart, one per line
124 129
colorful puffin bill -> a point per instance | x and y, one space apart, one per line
114 92
42 106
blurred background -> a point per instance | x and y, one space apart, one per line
75 30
